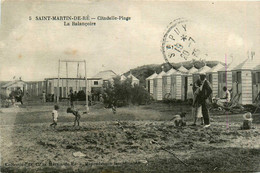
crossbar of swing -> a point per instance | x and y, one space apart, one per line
71 61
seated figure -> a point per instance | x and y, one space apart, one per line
226 99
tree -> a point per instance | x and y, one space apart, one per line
122 93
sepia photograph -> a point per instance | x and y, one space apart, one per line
128 86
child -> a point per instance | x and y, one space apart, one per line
196 106
55 116
113 109
179 120
247 123
76 114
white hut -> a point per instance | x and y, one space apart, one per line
149 83
123 77
157 83
176 83
212 76
242 80
225 78
135 81
166 86
7 88
256 81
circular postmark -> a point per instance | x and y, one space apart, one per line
180 41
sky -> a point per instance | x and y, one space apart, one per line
31 49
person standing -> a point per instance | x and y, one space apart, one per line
43 97
206 92
71 97
19 96
196 106
55 116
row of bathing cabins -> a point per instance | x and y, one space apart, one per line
177 84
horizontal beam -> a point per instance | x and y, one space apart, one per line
71 61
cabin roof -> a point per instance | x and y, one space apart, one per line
182 69
11 83
216 68
248 64
204 69
193 70
257 68
106 75
152 76
170 72
159 76
133 77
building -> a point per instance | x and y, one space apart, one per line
123 77
135 81
242 80
149 83
176 84
225 78
67 84
106 75
157 83
35 88
7 88
212 76
166 85
256 82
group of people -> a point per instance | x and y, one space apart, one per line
71 110
16 96
201 99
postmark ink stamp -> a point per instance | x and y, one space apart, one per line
180 41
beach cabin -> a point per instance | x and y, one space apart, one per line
212 76
189 82
157 89
225 78
122 77
256 81
176 85
135 81
242 80
149 83
166 88
7 88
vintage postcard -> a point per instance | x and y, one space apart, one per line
129 86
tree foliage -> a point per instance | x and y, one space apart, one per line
122 93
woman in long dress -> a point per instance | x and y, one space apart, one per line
196 106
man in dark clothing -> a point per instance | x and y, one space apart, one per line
71 97
19 96
206 92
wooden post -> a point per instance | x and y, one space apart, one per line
86 84
77 78
67 89
58 92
